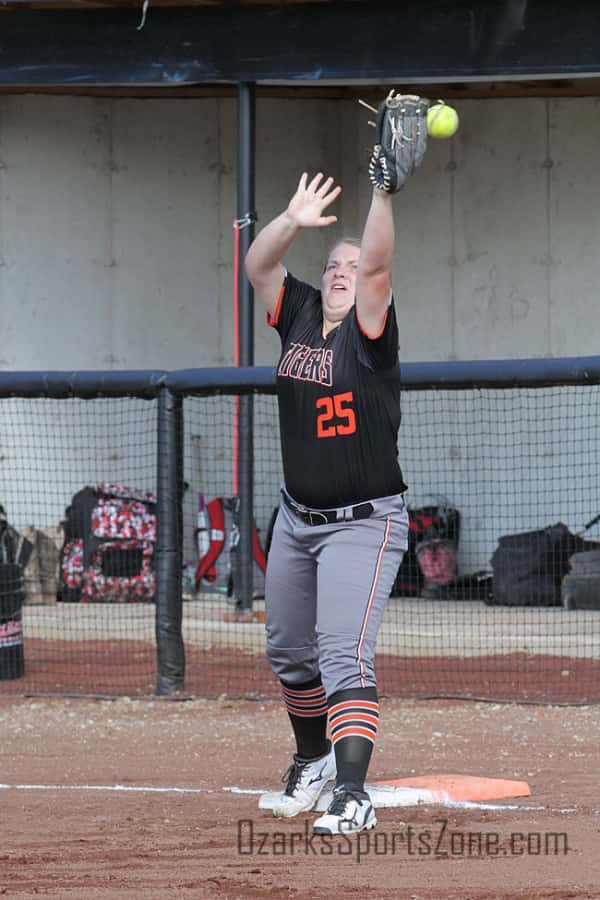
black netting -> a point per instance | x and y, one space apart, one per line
226 656
498 596
481 465
88 611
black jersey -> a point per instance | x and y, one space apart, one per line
339 403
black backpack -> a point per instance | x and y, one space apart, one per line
15 552
528 567
580 589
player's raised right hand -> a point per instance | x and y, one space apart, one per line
306 207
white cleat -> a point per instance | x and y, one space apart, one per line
349 811
305 783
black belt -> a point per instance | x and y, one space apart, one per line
328 516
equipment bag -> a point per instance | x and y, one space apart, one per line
14 548
217 536
474 587
580 589
425 523
109 539
528 568
15 553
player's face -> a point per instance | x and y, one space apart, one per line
338 284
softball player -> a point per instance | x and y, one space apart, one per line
342 526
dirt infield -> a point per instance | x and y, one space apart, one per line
132 798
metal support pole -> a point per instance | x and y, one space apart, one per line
169 540
246 219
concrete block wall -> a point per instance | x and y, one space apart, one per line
116 238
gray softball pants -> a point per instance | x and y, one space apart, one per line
326 590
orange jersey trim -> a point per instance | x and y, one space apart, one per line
272 320
362 330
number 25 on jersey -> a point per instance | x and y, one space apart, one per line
335 415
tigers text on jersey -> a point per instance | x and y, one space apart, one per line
339 403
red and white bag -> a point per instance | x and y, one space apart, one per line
107 556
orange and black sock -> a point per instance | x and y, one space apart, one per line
353 720
307 708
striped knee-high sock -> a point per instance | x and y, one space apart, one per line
307 708
353 720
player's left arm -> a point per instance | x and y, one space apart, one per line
374 275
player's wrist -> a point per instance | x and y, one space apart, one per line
382 196
290 221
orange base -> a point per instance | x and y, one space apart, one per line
425 790
444 788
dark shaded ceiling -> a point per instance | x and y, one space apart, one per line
501 48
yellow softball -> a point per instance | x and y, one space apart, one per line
442 120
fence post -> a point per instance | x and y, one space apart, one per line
245 461
169 540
